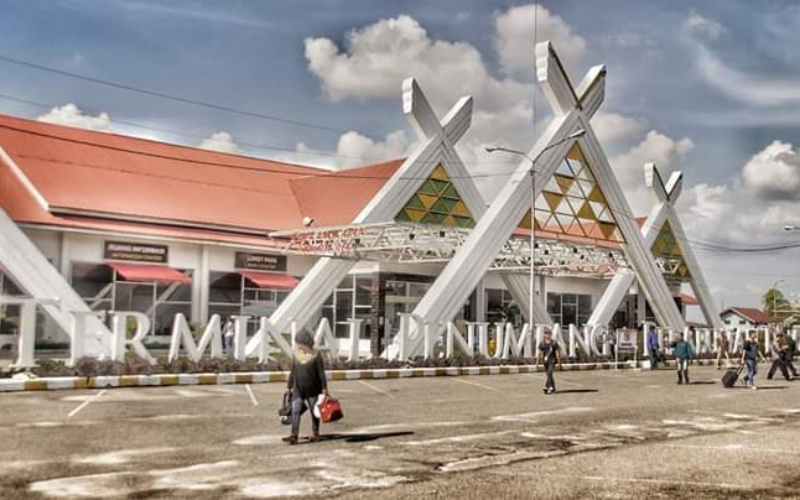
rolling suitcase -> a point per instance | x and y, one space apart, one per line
731 376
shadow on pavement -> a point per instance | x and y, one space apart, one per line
704 382
363 437
576 391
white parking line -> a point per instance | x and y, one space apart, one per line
377 389
252 396
86 403
476 384
732 448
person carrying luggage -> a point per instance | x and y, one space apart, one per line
306 382
780 350
652 346
549 353
683 352
750 357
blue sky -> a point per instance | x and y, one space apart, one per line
711 88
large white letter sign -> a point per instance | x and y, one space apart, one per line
573 110
182 334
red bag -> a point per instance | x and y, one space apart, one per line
330 410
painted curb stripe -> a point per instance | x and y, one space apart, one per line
60 383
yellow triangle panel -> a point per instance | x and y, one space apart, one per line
437 202
573 203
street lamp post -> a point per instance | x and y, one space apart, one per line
575 135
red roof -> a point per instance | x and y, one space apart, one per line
96 181
337 199
688 300
754 315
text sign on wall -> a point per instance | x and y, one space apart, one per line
136 252
260 261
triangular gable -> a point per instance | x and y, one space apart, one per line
667 247
572 203
437 202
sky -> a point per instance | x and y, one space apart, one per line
709 88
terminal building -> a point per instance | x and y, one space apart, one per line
139 225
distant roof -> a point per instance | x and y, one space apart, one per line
754 315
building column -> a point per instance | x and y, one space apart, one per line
377 318
480 301
201 288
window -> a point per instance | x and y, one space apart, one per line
103 289
352 299
569 308
498 302
231 294
402 296
9 314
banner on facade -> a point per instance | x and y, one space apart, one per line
136 252
260 262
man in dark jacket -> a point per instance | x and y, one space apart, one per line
652 347
791 343
306 382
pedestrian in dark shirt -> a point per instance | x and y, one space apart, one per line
683 352
791 343
549 354
306 382
652 347
780 350
750 357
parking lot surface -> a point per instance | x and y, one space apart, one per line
626 434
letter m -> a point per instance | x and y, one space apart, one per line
182 334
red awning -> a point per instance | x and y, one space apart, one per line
149 274
688 300
269 280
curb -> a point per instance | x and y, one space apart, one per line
167 380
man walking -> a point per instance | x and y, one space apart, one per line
652 346
750 357
722 348
549 353
780 350
791 343
306 382
683 352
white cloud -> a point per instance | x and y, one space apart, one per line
754 90
656 148
515 37
703 27
614 128
220 141
70 115
774 173
355 149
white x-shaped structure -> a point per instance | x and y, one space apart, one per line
437 147
573 109
663 217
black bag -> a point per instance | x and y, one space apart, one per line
731 376
285 411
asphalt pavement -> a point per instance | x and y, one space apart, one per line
605 434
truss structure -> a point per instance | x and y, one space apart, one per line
424 243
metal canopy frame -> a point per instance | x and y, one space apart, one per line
405 242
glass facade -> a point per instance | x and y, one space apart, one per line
352 299
569 308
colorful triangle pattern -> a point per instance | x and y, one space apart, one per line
666 247
437 202
573 203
